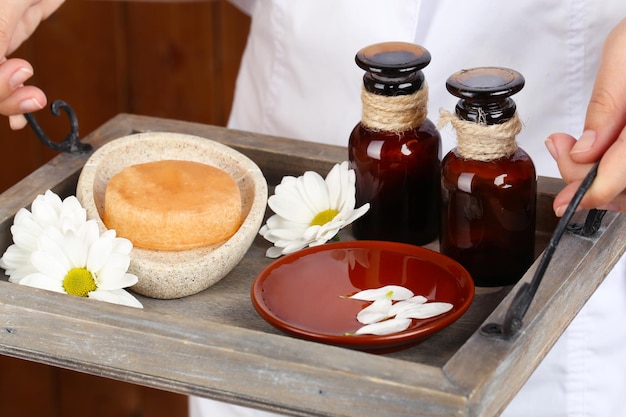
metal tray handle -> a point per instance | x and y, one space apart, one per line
71 144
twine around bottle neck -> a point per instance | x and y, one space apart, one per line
394 113
482 142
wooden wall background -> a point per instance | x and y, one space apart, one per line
105 57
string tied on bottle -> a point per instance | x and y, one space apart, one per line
480 141
394 113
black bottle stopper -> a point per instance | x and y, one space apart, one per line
485 93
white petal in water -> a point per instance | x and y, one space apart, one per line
385 327
403 305
392 309
425 311
375 312
391 292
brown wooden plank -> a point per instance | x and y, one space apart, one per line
26 389
86 395
172 61
158 403
80 394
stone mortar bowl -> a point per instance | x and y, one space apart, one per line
175 274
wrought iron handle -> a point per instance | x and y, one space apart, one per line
71 143
523 298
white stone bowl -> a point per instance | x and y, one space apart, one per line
175 274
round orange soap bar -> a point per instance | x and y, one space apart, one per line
172 205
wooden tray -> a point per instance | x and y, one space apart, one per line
214 344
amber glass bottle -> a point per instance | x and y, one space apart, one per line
395 150
488 182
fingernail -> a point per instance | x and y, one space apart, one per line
585 142
551 148
19 77
30 105
559 211
17 122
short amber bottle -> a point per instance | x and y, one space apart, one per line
488 182
395 150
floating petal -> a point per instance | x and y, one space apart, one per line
425 311
390 326
375 312
408 304
392 292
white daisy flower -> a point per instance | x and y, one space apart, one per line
46 210
310 210
83 263
56 248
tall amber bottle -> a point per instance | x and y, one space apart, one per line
395 150
488 182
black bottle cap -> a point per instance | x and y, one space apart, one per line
485 83
393 67
484 93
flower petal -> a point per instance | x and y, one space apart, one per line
75 249
116 297
98 254
291 207
339 189
315 192
356 213
47 263
403 305
113 276
274 252
425 311
375 312
385 327
39 280
392 292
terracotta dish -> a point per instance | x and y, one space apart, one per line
302 293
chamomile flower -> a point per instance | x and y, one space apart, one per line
310 210
56 248
46 210
83 263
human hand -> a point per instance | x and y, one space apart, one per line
604 136
19 19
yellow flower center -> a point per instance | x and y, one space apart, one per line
324 217
79 282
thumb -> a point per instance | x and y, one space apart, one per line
606 114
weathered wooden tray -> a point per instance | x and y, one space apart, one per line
214 344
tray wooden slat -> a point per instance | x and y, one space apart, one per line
214 344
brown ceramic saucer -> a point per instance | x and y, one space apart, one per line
301 293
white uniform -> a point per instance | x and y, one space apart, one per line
298 79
